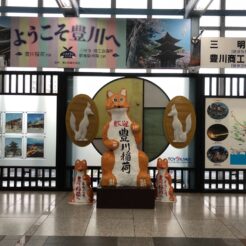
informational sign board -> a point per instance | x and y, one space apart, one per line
225 141
223 53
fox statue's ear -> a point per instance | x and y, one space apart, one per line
123 92
109 93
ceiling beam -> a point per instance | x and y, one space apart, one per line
70 8
196 8
190 7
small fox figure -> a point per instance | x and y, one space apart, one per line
123 164
178 134
82 190
163 184
80 134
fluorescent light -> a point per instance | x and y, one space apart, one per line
202 5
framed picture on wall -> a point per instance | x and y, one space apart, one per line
13 122
35 122
35 147
13 147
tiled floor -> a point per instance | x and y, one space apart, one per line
45 218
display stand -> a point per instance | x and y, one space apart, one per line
125 197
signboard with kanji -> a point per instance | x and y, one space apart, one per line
223 53
67 42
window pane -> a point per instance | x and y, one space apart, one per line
120 70
130 4
239 21
21 69
235 70
234 87
53 15
206 87
94 16
166 70
50 3
132 16
47 69
95 3
167 4
214 5
210 21
22 14
241 86
94 70
167 16
236 4
236 34
22 3
214 87
228 87
209 70
211 33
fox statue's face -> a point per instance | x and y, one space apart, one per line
88 110
80 165
116 100
162 164
173 111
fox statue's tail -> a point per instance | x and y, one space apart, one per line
188 123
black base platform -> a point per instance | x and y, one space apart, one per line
125 197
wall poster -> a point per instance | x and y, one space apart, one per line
225 133
28 134
23 134
35 122
13 122
13 147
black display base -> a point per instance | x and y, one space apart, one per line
125 197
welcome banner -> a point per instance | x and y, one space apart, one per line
67 42
97 43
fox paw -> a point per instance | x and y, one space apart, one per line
112 182
142 183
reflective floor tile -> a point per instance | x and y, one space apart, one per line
193 212
237 226
60 226
157 228
135 241
110 227
36 241
196 242
81 241
205 229
68 210
112 213
15 226
161 211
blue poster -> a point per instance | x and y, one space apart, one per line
158 43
